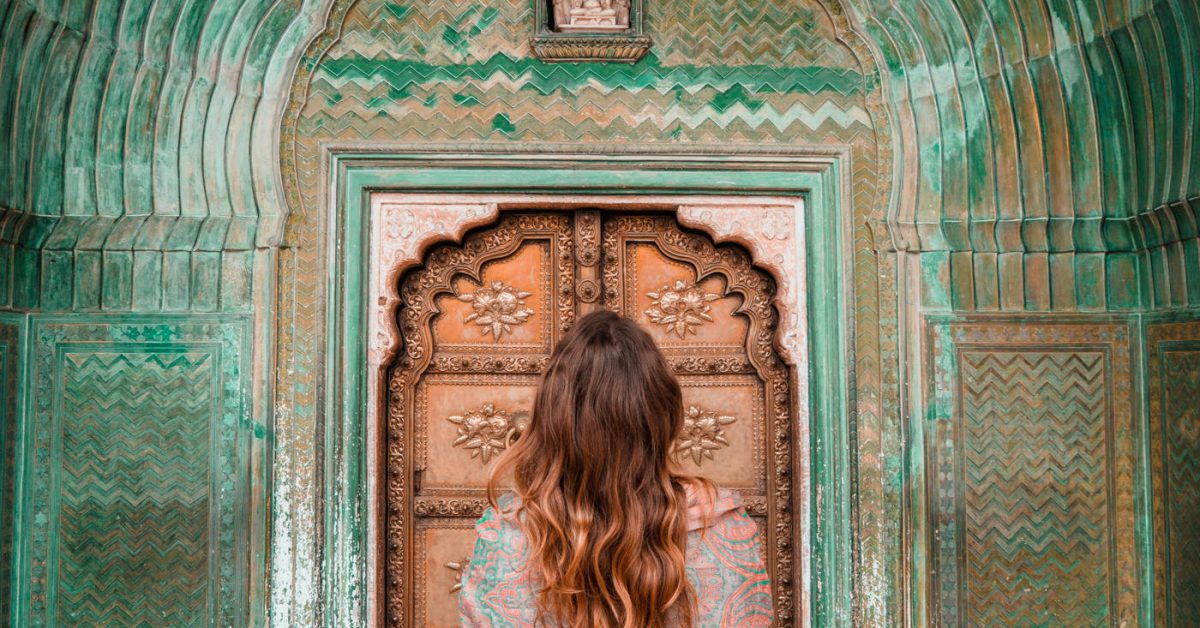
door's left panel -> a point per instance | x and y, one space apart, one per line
478 321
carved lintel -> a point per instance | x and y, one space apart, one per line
457 363
438 507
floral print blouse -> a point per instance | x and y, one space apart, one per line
724 565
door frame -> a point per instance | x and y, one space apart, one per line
819 175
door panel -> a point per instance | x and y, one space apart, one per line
479 321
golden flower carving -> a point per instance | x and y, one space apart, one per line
681 308
497 308
488 431
703 433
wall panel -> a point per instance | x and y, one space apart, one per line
1030 473
138 472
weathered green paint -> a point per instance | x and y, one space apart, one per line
1052 150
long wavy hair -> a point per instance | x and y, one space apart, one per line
603 508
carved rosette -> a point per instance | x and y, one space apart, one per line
497 308
681 308
703 433
488 431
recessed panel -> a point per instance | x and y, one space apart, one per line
680 311
444 548
468 421
723 433
511 309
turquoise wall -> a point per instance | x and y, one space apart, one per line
164 243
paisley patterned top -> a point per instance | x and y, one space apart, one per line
724 565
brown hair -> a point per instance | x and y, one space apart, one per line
602 507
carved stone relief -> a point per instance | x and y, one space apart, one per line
488 431
591 16
681 308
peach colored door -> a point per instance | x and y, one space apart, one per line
479 320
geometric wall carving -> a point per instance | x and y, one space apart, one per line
1174 378
139 474
1030 479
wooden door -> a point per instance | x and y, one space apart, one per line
479 321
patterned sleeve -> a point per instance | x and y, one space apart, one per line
731 577
495 592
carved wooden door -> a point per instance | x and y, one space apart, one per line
479 321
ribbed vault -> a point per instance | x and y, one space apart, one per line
1057 126
141 125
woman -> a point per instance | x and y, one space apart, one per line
601 530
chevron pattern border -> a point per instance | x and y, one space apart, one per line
1173 371
135 490
139 473
1030 473
1035 491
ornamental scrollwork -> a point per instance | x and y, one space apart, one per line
497 308
681 308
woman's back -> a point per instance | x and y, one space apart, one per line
724 566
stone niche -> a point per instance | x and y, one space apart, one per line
589 16
590 30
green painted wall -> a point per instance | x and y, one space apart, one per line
161 169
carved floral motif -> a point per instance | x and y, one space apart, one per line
681 308
497 308
703 433
488 431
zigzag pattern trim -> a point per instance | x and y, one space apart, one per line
135 489
1035 472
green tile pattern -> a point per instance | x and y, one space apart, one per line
139 480
1032 475
134 490
1036 494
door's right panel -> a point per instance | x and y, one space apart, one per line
710 311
